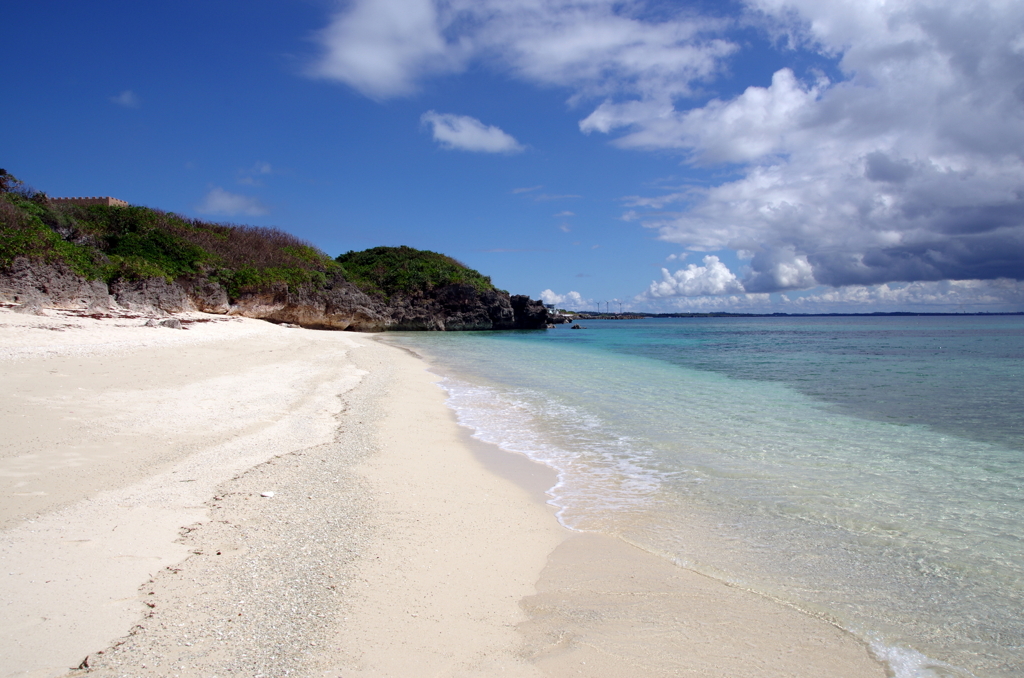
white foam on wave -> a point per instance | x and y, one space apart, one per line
907 663
597 470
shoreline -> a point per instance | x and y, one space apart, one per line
394 543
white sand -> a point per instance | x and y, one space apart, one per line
115 435
391 547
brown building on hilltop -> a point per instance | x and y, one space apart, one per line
84 202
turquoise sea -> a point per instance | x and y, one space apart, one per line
866 469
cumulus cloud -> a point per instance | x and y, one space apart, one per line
901 171
224 203
469 134
753 125
571 300
127 98
713 278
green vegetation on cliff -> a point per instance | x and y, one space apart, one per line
390 270
132 243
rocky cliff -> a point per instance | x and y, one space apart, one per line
336 305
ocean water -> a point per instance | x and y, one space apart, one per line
868 469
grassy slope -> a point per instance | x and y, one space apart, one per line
111 243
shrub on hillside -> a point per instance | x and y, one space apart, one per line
24 233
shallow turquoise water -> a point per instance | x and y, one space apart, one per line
867 469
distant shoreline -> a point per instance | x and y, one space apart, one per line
901 314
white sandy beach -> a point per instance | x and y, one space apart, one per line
133 465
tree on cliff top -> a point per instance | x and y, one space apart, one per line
8 182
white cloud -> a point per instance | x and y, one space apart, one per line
466 133
751 126
223 203
566 213
713 278
127 98
600 46
570 301
384 48
469 134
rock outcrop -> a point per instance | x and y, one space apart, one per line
529 313
40 284
337 305
454 307
151 293
206 295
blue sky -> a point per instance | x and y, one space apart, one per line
804 156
